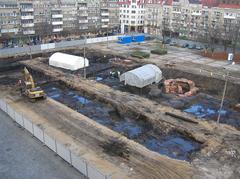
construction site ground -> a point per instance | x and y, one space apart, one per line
214 147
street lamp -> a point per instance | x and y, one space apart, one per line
84 56
223 96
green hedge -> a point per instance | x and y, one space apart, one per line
159 51
140 54
183 37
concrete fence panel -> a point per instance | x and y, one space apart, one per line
79 164
3 105
63 152
50 142
38 133
47 46
19 118
28 125
10 112
93 173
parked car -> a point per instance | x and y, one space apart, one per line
199 47
173 43
192 46
167 41
185 45
57 40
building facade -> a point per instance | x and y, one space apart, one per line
35 20
188 18
131 15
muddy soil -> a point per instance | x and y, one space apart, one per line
165 142
202 105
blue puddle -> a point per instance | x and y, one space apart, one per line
203 111
172 145
130 129
98 78
207 108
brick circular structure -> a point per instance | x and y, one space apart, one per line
181 86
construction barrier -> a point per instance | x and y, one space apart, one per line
73 159
51 46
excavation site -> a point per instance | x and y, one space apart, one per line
173 127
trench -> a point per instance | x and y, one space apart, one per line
171 143
204 105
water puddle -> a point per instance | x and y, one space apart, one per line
207 108
172 145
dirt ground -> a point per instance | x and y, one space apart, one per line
222 56
217 157
211 135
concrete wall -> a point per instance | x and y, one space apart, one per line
44 47
73 159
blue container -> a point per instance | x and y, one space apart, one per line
124 40
138 38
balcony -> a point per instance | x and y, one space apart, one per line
229 16
28 25
104 26
57 23
83 27
9 31
29 32
27 9
104 20
82 8
196 13
176 12
83 14
83 21
27 17
56 16
104 14
58 30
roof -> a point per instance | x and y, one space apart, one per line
230 6
66 61
142 76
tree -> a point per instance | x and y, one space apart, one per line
235 35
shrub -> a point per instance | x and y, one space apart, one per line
183 37
140 54
159 51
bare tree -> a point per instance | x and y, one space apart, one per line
235 35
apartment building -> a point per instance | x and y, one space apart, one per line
9 19
42 18
27 17
188 18
70 20
37 19
131 14
83 12
114 21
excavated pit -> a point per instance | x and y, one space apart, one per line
203 105
165 141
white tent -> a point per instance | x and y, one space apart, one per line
143 76
66 61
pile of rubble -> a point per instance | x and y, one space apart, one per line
237 107
180 86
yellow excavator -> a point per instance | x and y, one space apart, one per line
28 88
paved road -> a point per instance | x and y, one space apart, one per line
24 157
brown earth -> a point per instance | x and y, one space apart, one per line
220 56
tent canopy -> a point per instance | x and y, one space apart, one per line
142 76
66 61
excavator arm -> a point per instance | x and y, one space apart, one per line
28 79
